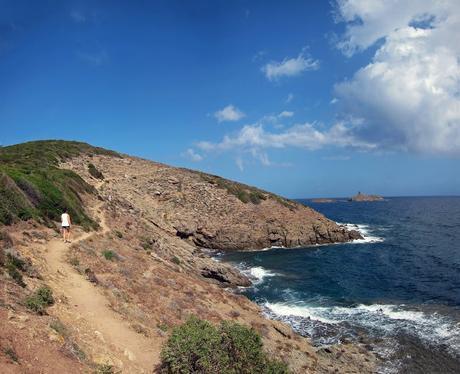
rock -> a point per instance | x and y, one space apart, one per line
185 229
99 336
129 354
225 275
91 276
363 197
322 200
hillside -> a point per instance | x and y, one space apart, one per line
140 269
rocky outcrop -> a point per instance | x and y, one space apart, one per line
363 197
208 211
225 275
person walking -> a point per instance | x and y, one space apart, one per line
65 226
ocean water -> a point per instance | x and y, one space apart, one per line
397 291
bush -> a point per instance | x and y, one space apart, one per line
13 264
104 369
11 353
95 172
40 299
119 234
175 260
74 261
33 186
199 347
108 255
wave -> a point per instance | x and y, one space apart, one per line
364 230
258 274
432 328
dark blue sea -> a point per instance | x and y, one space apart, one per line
397 291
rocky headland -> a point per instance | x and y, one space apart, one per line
139 263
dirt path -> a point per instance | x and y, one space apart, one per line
104 329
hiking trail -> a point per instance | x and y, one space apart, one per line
105 331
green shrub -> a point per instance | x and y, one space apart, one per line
33 186
108 255
104 369
11 353
74 261
256 197
147 243
119 234
40 299
176 260
95 172
13 266
199 347
59 327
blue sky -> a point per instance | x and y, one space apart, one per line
306 99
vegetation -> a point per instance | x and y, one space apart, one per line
74 261
244 193
147 243
14 266
104 369
11 353
175 260
119 234
199 347
95 172
40 300
59 327
33 186
109 255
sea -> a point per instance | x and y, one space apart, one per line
397 291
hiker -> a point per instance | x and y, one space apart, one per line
65 226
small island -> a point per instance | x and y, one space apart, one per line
363 197
322 200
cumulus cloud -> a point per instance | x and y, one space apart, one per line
289 67
285 114
255 138
229 113
408 96
192 155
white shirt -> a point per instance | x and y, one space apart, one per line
65 218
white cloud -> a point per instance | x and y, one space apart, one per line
192 155
408 96
77 16
337 158
289 98
285 114
289 67
255 138
229 113
240 163
259 56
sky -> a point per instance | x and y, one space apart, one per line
302 98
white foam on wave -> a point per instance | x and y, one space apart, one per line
258 273
283 309
365 232
433 327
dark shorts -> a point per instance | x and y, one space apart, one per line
66 227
